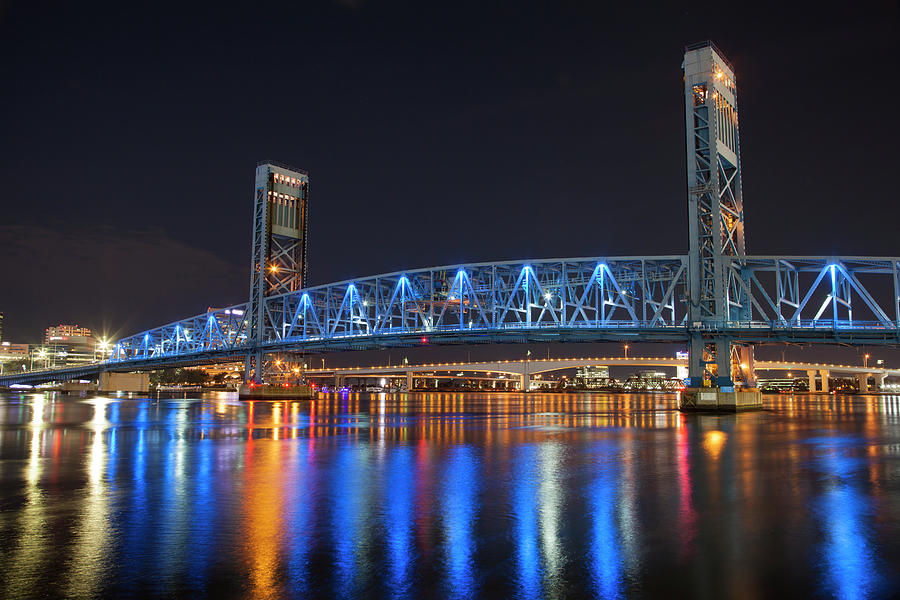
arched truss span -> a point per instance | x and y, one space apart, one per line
640 298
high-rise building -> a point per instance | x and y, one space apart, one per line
62 333
67 345
592 377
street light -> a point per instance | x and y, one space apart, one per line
865 360
626 350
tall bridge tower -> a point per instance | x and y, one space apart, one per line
278 250
715 217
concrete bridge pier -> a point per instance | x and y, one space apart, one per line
409 381
862 380
879 381
124 382
824 375
719 394
812 380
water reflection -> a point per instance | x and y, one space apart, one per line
458 511
848 560
606 553
447 494
525 481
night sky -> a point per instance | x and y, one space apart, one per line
432 134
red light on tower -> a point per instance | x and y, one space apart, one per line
424 340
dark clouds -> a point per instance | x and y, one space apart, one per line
114 281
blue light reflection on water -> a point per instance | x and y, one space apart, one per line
458 510
349 501
300 502
204 509
525 484
606 552
399 514
848 561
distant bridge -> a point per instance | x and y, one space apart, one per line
524 369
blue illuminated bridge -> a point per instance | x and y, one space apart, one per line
848 300
717 299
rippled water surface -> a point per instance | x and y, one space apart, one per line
448 495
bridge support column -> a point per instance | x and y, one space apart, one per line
723 363
824 374
879 381
722 395
253 362
409 381
862 380
812 381
523 382
695 361
124 382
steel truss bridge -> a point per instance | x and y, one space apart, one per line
843 300
716 299
790 299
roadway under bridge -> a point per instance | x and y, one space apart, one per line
523 370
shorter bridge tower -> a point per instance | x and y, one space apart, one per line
278 264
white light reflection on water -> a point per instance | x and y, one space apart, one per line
91 544
550 494
27 559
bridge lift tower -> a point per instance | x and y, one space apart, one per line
278 250
715 219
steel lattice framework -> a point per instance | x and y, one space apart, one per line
829 299
715 211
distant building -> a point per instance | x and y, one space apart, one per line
10 351
650 374
1 326
67 345
592 377
61 333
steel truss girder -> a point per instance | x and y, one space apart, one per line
638 298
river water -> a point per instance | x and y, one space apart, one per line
448 495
